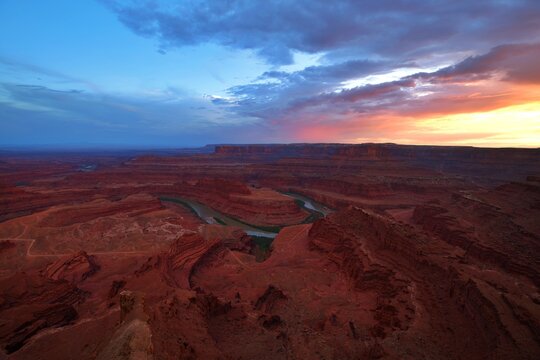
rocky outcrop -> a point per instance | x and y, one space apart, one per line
30 303
133 338
486 234
209 305
183 256
176 264
270 299
75 268
379 255
180 326
116 286
56 315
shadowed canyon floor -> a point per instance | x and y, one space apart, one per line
381 251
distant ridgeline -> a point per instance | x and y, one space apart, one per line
496 163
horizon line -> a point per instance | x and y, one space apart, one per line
112 148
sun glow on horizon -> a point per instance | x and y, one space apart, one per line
516 125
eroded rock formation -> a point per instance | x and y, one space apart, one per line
428 253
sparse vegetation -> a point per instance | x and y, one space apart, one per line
273 229
313 216
219 221
179 201
262 247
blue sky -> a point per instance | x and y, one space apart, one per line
81 47
84 41
107 73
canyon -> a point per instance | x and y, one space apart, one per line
303 251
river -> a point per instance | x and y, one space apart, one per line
212 216
309 204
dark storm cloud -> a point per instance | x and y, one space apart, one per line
349 28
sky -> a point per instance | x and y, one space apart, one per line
179 73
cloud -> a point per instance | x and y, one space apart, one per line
357 94
492 48
40 115
516 62
312 103
348 28
335 73
276 92
14 68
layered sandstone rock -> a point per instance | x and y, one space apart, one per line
132 206
424 293
31 303
75 268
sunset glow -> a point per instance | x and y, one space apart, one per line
171 73
511 126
